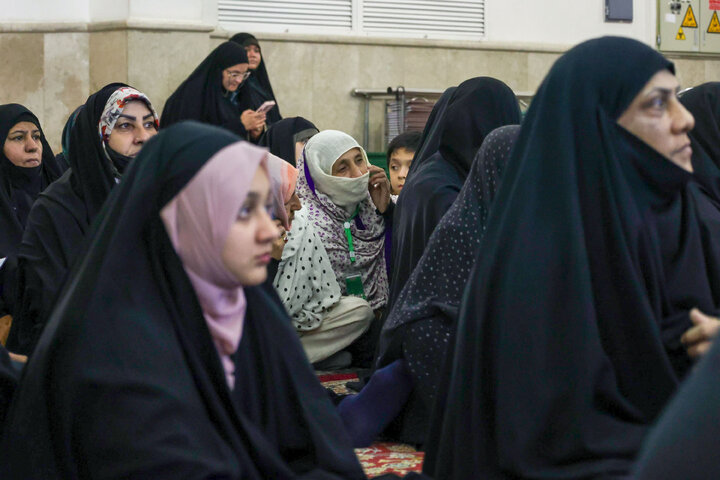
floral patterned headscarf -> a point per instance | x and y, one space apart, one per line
115 106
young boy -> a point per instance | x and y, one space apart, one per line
399 156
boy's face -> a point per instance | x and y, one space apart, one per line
399 164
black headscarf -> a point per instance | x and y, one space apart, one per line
477 107
20 186
430 139
62 157
126 380
681 445
59 221
568 336
202 97
281 137
257 87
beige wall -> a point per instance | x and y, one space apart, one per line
314 79
53 72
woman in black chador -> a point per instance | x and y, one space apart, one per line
257 89
27 167
568 343
208 94
477 107
168 355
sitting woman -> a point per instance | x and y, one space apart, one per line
288 137
423 319
257 89
334 180
568 343
326 321
27 167
206 94
109 131
168 353
477 107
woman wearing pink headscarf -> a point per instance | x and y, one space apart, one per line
168 355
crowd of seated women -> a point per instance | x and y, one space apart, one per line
532 297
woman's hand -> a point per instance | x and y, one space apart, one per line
253 122
698 339
379 187
18 358
279 243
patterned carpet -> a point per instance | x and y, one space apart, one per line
381 457
384 457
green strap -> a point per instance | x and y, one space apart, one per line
348 235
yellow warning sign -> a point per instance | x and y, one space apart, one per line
714 26
680 35
689 20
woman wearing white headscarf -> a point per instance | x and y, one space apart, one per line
344 201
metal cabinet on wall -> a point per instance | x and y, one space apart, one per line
689 26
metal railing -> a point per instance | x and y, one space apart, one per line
400 93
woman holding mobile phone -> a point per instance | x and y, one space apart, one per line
255 94
211 94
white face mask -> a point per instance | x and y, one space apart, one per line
347 192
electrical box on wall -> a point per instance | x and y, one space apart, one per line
618 10
689 26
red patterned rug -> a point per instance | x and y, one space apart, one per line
336 382
382 458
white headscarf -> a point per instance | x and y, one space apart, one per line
321 152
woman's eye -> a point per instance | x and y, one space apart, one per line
36 138
658 103
243 213
150 125
17 138
270 209
124 125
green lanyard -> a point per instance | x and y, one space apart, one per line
348 235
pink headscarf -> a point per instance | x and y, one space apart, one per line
279 178
290 175
198 220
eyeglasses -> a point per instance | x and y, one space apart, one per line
239 76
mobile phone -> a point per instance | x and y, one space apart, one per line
265 107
